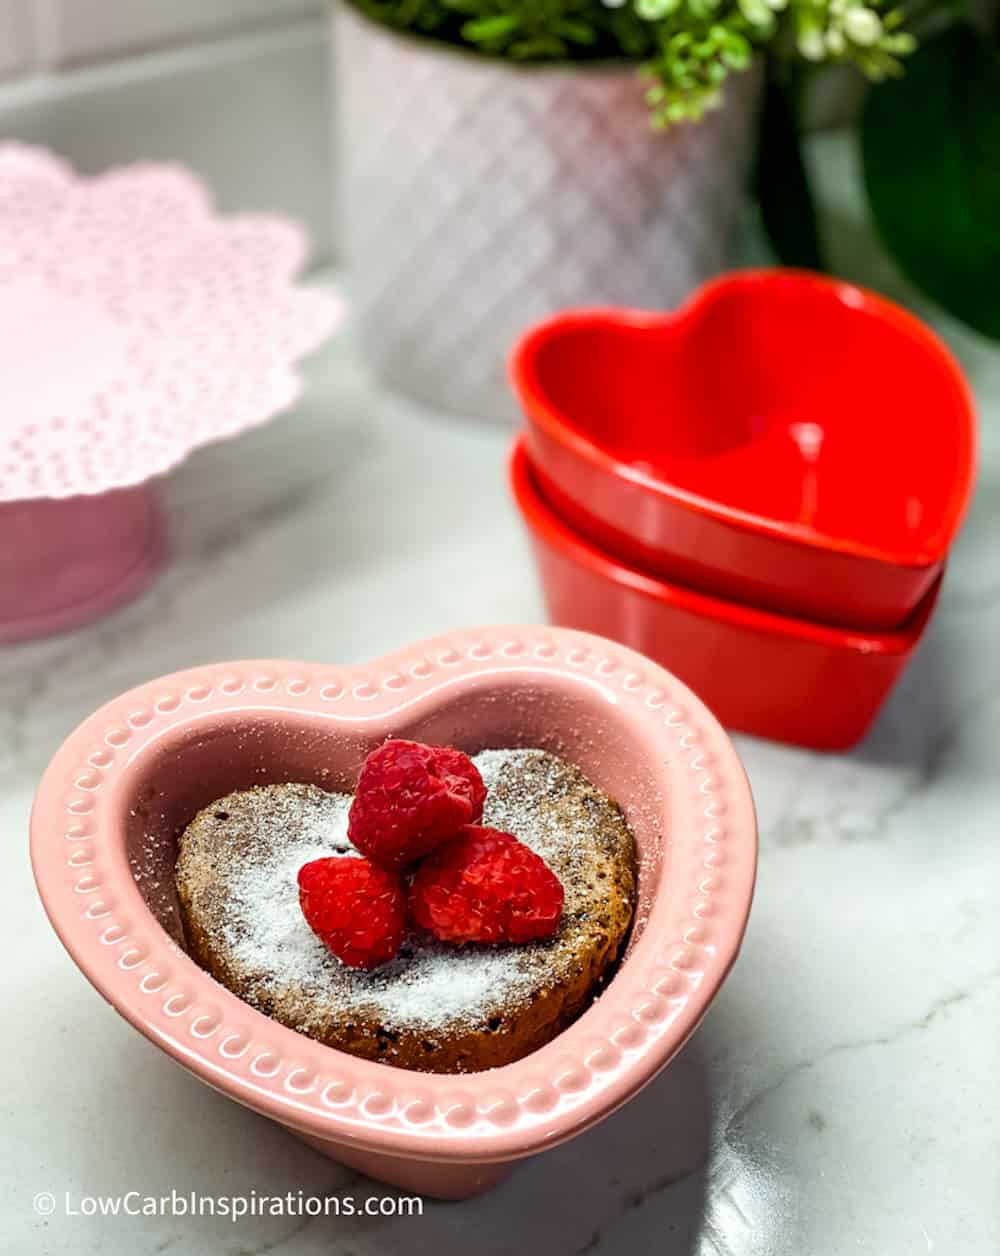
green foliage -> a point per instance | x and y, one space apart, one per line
931 148
688 48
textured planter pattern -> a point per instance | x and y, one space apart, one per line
478 197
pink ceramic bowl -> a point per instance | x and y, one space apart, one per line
785 440
771 675
103 837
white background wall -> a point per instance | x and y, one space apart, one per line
237 89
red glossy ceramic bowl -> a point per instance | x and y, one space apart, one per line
785 440
788 679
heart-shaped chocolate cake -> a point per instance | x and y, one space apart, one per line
434 1006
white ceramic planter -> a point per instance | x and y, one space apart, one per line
478 196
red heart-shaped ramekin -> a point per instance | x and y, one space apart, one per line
785 440
790 679
103 842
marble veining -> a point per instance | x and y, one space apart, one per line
838 1097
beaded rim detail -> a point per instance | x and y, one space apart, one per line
662 989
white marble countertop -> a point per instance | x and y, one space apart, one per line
840 1096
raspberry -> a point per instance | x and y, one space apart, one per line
456 763
486 886
410 798
355 908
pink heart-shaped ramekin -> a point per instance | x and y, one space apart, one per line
785 440
110 806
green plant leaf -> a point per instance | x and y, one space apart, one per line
782 184
481 29
931 151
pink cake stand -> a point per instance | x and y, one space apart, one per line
135 325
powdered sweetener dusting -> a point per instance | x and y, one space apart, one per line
272 950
